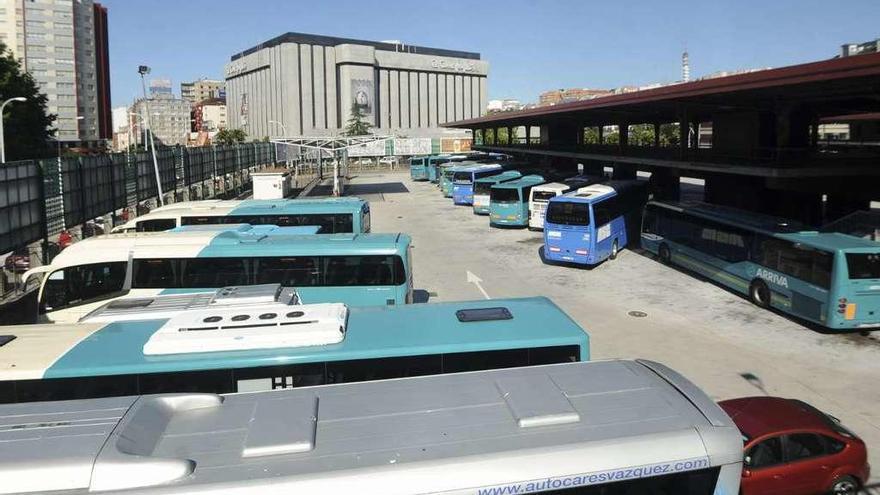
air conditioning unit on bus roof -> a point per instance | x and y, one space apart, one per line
251 328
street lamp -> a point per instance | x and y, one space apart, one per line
144 70
2 143
283 129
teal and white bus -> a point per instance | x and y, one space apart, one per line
347 215
829 279
357 269
509 201
483 186
418 167
241 345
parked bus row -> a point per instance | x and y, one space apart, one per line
272 358
159 316
824 278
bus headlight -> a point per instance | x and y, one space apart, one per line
582 252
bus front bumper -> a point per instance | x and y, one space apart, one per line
508 220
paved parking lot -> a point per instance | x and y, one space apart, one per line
717 339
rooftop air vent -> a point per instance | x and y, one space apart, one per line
253 327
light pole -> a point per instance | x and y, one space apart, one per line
2 143
144 70
283 129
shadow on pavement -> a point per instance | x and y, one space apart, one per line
375 188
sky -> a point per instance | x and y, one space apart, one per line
531 46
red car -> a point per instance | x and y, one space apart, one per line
792 448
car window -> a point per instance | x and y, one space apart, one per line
832 445
803 446
765 453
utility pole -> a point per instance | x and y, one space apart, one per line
144 70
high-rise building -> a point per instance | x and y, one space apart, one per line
63 45
202 89
169 118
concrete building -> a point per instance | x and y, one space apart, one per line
505 105
202 89
209 115
169 119
557 96
851 49
308 84
63 45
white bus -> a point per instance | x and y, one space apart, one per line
332 215
540 196
357 269
608 427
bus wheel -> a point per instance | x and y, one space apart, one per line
759 293
664 254
614 250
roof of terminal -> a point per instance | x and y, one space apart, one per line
315 39
834 79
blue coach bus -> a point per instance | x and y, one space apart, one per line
463 181
509 201
593 223
483 186
827 278
236 349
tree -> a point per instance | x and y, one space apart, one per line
356 125
27 125
230 136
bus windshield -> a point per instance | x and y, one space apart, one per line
863 265
482 187
566 213
461 177
504 195
543 196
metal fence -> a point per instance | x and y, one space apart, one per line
39 198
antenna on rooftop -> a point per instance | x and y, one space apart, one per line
685 67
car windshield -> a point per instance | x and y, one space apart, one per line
568 213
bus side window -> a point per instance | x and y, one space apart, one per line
78 284
156 225
196 220
155 274
382 369
300 271
214 272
